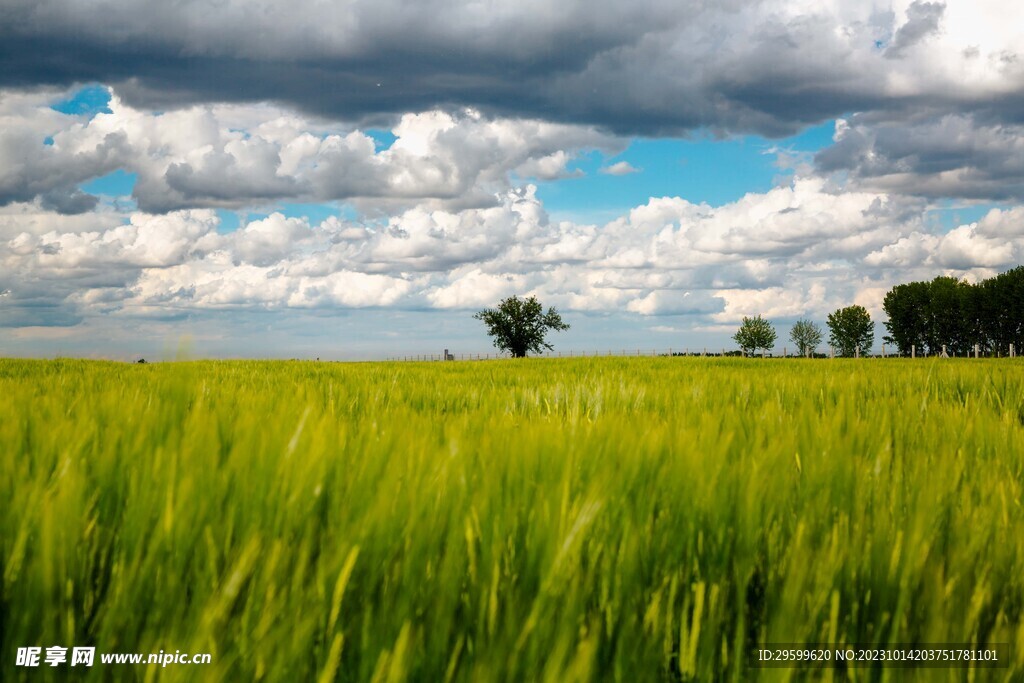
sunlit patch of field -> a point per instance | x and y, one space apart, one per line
642 519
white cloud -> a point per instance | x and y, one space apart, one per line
269 240
963 248
552 167
771 302
238 156
799 250
620 168
1003 223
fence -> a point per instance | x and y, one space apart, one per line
671 351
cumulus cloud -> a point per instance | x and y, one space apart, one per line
963 248
1004 223
29 168
233 157
799 249
620 168
55 267
551 167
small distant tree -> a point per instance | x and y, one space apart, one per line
806 335
519 326
755 333
850 328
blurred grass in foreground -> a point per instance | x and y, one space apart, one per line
540 520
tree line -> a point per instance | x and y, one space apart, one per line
945 314
958 314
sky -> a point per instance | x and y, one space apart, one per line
354 180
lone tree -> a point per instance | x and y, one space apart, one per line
755 333
851 328
806 335
520 325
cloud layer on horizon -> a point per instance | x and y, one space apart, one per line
797 249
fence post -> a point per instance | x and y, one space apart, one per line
1011 351
831 351
856 352
975 350
913 351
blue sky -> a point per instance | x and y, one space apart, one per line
698 169
87 102
366 196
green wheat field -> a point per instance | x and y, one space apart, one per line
596 519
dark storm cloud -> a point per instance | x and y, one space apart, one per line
351 61
922 20
68 201
945 156
652 68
